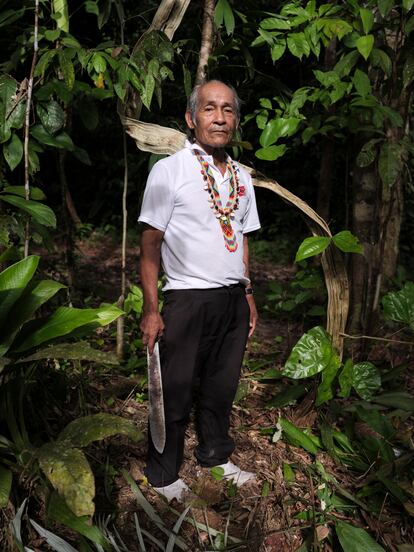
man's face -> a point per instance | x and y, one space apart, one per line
215 117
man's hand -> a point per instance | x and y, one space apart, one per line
152 327
253 314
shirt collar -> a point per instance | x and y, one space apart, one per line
206 156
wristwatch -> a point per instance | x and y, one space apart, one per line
249 290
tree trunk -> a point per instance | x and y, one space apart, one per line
207 37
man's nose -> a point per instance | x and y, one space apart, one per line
219 118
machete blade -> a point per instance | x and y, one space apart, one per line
156 400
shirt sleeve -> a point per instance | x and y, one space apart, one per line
251 220
158 201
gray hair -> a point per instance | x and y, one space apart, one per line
192 103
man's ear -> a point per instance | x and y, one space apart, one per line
189 120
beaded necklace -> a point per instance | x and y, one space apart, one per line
225 214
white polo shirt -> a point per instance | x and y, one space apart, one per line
193 251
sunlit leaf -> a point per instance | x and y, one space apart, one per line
83 431
311 354
70 474
367 18
364 45
326 387
60 7
278 49
271 153
298 45
310 247
297 437
347 242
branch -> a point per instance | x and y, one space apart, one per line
207 37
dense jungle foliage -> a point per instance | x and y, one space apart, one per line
326 89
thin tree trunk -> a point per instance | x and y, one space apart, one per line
71 208
207 37
27 124
68 236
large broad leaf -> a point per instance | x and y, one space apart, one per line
398 399
61 140
298 45
13 152
8 88
40 212
362 83
311 354
278 128
10 16
311 247
364 45
346 379
354 539
6 478
80 350
83 431
271 153
347 242
67 319
297 437
13 281
70 474
368 153
60 7
35 193
58 510
31 299
384 6
366 379
51 116
367 18
399 305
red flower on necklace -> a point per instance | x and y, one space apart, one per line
242 191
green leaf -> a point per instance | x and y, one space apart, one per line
311 354
271 153
32 298
224 14
278 49
409 27
58 510
397 399
70 474
83 431
67 319
346 379
366 379
367 18
67 68
6 478
278 128
327 78
52 35
362 83
385 6
368 153
325 388
297 437
347 242
41 213
353 538
298 45
408 70
272 23
61 140
81 350
346 63
51 116
44 62
399 305
187 81
8 87
71 42
13 152
287 396
364 45
91 6
390 163
310 247
60 8
13 281
408 4
288 473
148 91
381 59
35 193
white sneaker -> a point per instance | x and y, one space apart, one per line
235 474
175 490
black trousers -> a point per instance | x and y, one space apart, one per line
204 341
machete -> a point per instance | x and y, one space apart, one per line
156 400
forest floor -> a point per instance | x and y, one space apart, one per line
296 499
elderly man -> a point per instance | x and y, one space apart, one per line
198 208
